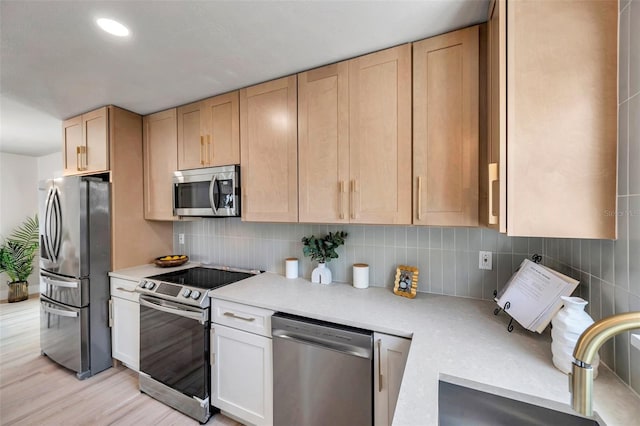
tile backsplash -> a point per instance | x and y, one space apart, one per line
446 257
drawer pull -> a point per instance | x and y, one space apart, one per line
232 315
124 289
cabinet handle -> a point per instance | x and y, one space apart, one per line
493 177
110 313
78 158
124 289
213 354
340 195
379 365
354 189
201 149
232 315
81 152
419 197
209 154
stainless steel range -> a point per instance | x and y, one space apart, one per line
174 336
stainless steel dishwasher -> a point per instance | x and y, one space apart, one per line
322 373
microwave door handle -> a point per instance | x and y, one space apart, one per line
212 200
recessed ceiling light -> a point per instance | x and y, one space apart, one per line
113 27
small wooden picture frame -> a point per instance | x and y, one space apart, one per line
406 281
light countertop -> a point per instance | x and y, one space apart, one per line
452 337
136 273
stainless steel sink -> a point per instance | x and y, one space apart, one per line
461 405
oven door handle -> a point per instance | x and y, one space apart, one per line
175 310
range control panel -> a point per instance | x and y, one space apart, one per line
174 292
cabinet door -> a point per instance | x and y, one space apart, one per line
323 144
389 359
96 140
562 118
497 117
380 137
269 151
242 374
191 143
125 332
72 146
221 129
445 129
160 151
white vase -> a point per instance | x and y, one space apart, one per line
321 275
568 325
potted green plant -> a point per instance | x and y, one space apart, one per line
16 258
323 250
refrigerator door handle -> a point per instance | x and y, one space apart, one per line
60 312
47 224
57 283
57 218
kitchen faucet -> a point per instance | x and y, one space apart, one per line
581 377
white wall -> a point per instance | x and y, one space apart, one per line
50 166
18 199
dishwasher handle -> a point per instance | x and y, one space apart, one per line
323 343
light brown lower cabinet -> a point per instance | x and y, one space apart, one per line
389 359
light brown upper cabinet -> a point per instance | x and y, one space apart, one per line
380 137
160 152
85 143
269 151
323 144
559 125
208 132
445 129
354 140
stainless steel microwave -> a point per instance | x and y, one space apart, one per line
208 192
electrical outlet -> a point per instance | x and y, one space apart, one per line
485 261
180 238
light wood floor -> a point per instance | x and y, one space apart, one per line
36 391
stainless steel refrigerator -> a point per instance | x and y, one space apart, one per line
75 259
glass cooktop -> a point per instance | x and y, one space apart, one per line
199 277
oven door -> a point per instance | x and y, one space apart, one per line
174 345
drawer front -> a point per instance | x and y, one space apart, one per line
125 289
242 317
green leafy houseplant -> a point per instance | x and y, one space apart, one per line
18 251
323 249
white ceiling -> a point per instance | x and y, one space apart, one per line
56 63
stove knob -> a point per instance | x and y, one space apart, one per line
142 283
195 294
186 292
149 285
